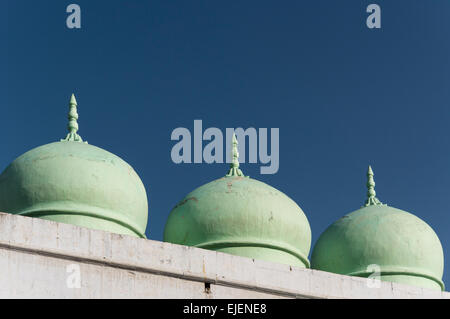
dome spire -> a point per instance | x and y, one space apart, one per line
234 167
73 124
371 194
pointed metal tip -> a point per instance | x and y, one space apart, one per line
234 167
73 124
73 100
234 138
371 194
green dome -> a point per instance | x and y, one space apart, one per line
76 183
404 247
242 216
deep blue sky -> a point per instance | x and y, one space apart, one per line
343 96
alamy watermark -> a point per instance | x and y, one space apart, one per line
373 280
374 19
73 21
213 152
73 280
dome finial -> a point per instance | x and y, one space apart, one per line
371 194
73 124
234 167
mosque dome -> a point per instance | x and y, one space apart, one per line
399 246
76 183
241 216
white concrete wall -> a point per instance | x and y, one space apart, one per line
35 256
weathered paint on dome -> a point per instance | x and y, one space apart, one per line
242 216
76 183
406 249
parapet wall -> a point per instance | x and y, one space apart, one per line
43 259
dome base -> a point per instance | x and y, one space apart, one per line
87 222
267 254
406 277
413 281
265 251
